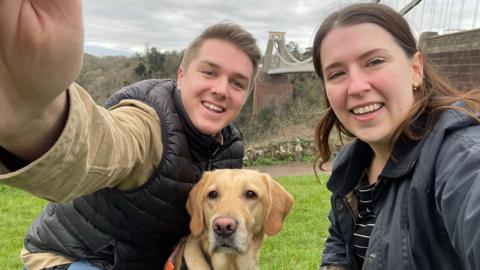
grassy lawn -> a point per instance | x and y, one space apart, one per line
300 243
297 246
17 211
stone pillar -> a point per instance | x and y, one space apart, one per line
271 91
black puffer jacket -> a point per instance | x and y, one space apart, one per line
137 229
427 202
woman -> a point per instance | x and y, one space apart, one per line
406 191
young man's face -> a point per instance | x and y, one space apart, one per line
214 85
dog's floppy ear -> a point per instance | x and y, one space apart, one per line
280 204
194 206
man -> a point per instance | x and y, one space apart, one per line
120 176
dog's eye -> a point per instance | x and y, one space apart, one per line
212 194
250 194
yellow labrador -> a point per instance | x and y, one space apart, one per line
232 210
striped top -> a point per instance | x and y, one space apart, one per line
365 222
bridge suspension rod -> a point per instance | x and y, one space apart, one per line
409 6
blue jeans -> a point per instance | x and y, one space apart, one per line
80 265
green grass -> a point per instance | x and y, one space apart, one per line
17 211
297 246
300 243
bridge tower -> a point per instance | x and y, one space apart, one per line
276 40
272 90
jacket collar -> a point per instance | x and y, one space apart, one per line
403 158
348 167
202 144
356 157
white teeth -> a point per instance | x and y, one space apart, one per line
367 109
213 107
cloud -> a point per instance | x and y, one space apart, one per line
131 25
170 25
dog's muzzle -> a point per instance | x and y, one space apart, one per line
225 229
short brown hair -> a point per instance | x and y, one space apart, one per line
232 33
432 97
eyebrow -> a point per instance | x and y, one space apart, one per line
237 75
360 57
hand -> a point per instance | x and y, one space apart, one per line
41 52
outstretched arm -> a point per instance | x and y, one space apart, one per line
41 51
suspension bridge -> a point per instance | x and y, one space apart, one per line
448 32
423 16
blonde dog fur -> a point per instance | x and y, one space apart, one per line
232 210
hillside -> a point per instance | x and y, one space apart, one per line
271 136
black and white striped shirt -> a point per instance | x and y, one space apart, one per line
365 222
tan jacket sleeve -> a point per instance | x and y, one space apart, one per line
98 148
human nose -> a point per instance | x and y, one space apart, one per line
358 84
220 87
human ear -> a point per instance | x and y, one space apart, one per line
180 77
417 69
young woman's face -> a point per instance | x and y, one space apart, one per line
368 81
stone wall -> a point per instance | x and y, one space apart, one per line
271 91
298 149
456 56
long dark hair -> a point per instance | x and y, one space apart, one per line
432 97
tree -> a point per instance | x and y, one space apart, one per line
307 53
141 70
294 49
155 59
171 63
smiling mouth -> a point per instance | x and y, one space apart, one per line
213 107
366 109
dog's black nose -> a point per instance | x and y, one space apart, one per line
224 226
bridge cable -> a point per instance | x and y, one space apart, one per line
411 14
450 16
446 16
432 17
278 44
422 13
475 14
439 19
294 64
295 60
461 16
414 16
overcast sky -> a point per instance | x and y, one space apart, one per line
126 26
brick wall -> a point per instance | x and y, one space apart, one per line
456 56
271 91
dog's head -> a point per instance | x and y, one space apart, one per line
235 208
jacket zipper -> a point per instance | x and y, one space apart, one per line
209 163
351 212
352 259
